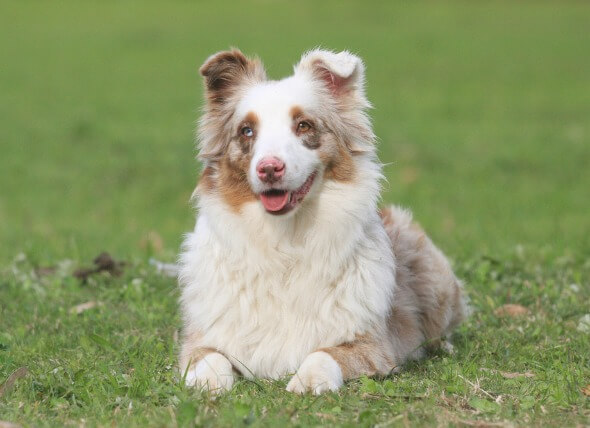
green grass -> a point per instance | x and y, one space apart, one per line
482 110
115 362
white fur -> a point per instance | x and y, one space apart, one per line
318 373
269 290
214 373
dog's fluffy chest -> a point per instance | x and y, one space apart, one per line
267 308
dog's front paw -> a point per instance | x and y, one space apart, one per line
213 373
318 373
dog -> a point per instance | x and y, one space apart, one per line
292 269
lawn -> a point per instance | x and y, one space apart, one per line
483 114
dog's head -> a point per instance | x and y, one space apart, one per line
275 142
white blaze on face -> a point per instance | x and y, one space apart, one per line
272 103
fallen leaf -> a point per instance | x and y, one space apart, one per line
152 242
45 270
586 390
511 310
326 416
6 424
104 263
78 309
16 375
514 375
509 375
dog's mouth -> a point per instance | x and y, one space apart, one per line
280 201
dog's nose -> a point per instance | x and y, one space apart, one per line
270 169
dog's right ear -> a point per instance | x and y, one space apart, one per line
225 71
225 74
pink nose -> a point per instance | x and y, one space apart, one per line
270 169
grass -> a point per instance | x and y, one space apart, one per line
482 111
115 362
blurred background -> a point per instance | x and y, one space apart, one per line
482 110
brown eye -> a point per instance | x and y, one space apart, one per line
246 131
303 126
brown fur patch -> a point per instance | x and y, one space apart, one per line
338 162
251 121
363 356
230 181
227 175
311 137
296 112
206 182
233 183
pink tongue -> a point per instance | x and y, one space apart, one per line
274 201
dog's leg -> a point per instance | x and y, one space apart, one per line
205 368
328 368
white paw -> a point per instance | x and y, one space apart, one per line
448 347
213 373
318 373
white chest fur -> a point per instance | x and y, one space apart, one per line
266 292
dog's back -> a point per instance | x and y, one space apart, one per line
426 284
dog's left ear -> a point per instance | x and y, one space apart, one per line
341 72
343 75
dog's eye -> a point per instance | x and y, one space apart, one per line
303 126
246 131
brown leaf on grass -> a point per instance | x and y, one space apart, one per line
6 424
511 310
45 270
514 375
483 424
103 263
16 375
586 390
152 241
509 375
326 416
78 309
